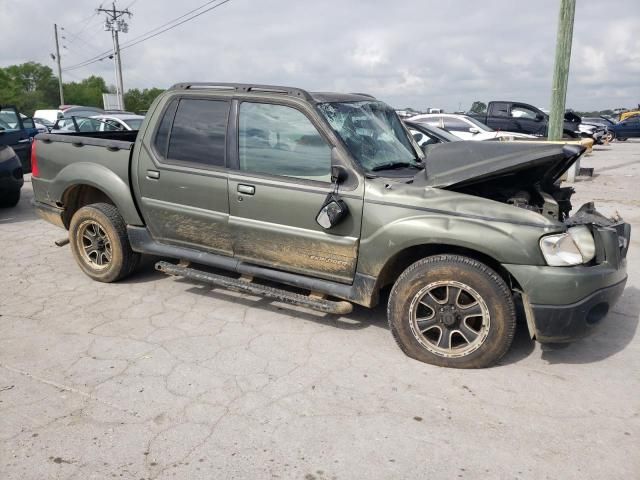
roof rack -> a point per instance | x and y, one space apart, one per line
244 88
363 94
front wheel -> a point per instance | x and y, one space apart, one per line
99 242
452 311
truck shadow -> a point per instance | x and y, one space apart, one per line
615 332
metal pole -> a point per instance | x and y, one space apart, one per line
55 29
561 69
116 59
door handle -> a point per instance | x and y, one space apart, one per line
246 189
153 174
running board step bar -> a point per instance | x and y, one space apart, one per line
242 285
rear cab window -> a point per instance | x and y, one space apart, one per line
192 132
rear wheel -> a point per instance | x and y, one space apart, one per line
10 199
100 244
452 311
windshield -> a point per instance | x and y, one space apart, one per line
134 123
373 133
479 124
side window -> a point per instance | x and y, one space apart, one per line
421 138
499 109
161 141
433 120
198 132
520 111
455 125
280 140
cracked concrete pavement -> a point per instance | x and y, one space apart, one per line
159 378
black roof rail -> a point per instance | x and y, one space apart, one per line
244 88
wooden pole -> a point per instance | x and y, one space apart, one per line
561 69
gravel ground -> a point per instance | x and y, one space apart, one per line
155 377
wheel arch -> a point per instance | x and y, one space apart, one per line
80 184
399 262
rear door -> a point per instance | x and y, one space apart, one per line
281 179
182 176
16 135
628 128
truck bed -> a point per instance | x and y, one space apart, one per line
95 159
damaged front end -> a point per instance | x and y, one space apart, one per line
585 262
522 175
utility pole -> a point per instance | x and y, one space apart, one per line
561 69
57 59
115 23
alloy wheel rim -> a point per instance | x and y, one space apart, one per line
449 318
94 245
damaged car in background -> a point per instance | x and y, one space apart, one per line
330 196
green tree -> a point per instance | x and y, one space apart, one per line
136 100
29 86
87 92
478 107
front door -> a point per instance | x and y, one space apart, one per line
281 181
182 177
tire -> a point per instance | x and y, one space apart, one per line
621 139
610 136
100 245
9 199
455 285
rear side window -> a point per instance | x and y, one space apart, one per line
198 132
161 141
455 124
500 109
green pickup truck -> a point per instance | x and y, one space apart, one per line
325 200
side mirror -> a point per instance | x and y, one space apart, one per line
539 117
332 211
474 130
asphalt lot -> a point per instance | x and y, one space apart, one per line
156 377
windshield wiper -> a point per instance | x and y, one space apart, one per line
394 165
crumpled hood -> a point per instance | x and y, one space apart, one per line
465 163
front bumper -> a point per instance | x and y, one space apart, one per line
564 323
565 303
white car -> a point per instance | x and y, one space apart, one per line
119 121
464 127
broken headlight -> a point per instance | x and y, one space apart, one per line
572 248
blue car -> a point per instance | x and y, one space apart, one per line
628 128
17 132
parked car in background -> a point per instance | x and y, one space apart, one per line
17 132
425 134
44 122
11 176
597 132
483 228
465 127
120 121
629 128
524 118
98 123
66 112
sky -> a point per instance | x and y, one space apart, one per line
410 53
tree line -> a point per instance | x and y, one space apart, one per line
32 86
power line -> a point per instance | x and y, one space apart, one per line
151 33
